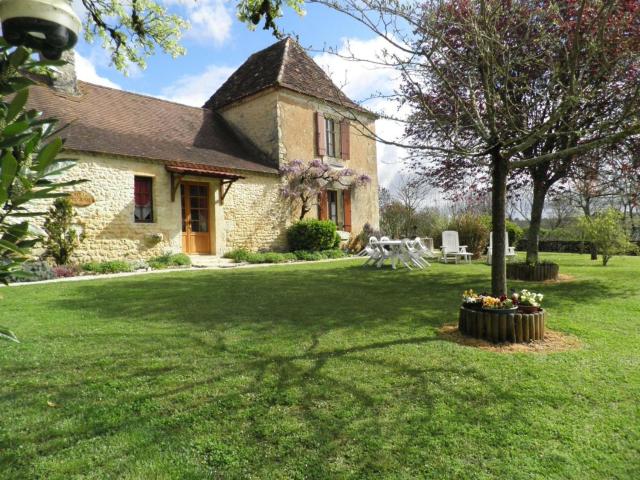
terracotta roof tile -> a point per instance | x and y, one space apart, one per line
110 121
283 64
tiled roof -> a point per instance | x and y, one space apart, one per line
110 121
284 64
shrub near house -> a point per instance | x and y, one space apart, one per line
313 235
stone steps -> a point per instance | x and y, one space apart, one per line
211 261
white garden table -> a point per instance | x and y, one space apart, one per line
394 249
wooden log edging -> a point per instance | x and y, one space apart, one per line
502 327
534 273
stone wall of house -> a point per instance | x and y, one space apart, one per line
251 216
255 118
108 224
296 114
255 217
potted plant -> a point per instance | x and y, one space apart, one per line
499 304
471 300
528 302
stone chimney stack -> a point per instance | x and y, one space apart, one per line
65 80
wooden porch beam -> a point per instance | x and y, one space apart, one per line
176 179
225 185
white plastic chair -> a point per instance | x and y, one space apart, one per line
367 250
381 253
371 251
451 248
412 253
510 252
424 251
425 247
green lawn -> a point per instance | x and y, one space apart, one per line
315 371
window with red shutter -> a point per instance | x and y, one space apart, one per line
323 206
321 135
345 140
346 205
143 199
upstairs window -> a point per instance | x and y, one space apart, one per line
333 137
330 128
143 198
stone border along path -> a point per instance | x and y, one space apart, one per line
222 266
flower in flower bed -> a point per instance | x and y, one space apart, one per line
469 296
496 303
471 299
529 299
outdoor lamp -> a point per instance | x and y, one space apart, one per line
49 26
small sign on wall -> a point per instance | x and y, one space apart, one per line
81 199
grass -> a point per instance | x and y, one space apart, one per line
314 371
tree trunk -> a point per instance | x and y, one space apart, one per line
537 208
587 213
499 204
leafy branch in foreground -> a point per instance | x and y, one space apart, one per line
30 168
132 30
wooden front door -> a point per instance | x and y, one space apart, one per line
196 225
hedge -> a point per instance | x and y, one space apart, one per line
562 246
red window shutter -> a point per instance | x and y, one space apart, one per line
321 135
323 205
345 139
142 191
346 202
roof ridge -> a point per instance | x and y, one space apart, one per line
143 95
283 61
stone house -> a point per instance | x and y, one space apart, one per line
168 177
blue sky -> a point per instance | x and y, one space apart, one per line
218 43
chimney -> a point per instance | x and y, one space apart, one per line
64 79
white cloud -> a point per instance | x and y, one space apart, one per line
361 80
195 90
209 19
86 70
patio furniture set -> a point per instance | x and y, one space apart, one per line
416 253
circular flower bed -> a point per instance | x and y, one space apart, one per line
538 272
518 319
499 327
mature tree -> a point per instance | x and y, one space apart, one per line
303 182
625 182
384 197
515 85
400 212
561 212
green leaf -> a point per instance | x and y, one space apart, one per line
19 56
20 83
7 175
15 128
17 104
7 334
48 154
16 231
46 63
28 214
14 140
10 246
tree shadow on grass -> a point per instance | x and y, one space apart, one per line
319 368
326 413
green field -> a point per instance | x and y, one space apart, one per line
316 371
